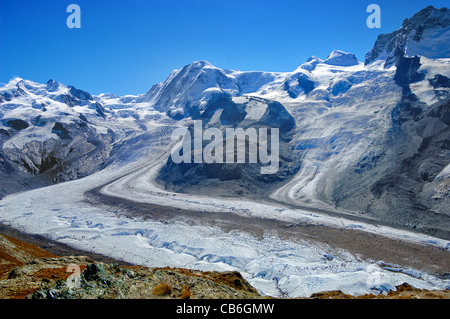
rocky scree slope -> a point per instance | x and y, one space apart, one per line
29 272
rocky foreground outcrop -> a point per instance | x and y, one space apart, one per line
26 271
29 272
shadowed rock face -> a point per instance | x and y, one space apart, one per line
401 184
407 71
224 112
17 124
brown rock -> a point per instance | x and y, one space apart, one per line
161 290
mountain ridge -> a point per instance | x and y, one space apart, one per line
29 272
426 34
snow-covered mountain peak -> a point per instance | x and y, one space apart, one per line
13 82
53 86
341 58
202 64
311 63
17 87
186 92
429 17
313 58
426 34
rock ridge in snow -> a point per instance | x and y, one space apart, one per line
427 34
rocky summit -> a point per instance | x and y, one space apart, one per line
27 271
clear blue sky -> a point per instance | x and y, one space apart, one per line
125 46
